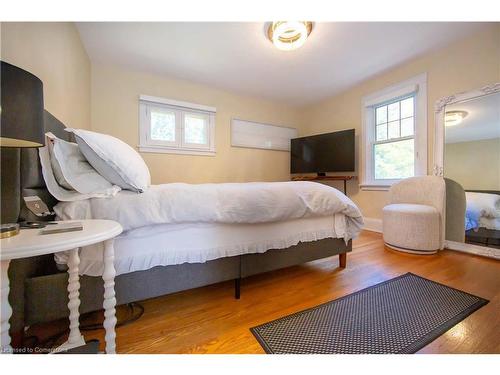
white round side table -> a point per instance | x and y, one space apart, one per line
29 242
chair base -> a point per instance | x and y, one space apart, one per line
410 251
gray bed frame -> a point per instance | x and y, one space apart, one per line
38 290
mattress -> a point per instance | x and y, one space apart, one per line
226 203
170 244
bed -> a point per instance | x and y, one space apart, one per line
154 257
482 218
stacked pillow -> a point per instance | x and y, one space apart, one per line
483 210
115 160
98 165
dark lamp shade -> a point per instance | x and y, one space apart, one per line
21 108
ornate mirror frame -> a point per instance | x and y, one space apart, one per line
439 107
438 167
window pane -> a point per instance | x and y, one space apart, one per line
393 129
163 126
407 107
382 132
195 129
381 115
393 111
394 160
407 127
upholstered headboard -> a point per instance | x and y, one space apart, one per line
22 176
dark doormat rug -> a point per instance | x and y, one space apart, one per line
400 315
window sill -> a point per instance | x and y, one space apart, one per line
167 150
369 187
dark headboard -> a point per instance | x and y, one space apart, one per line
22 176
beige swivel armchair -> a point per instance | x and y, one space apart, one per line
413 222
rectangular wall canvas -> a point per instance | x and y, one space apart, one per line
258 135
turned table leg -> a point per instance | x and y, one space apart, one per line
109 296
75 337
5 309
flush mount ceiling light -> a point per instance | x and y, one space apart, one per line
453 118
289 35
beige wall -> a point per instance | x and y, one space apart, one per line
475 165
467 64
115 94
54 53
107 98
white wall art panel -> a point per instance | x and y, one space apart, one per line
257 135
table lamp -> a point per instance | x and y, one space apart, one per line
21 120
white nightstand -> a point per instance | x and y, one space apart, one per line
30 243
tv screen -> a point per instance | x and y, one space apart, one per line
331 152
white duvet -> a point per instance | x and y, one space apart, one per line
244 203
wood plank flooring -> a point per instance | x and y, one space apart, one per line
210 320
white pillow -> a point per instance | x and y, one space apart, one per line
115 160
488 205
54 188
73 172
56 168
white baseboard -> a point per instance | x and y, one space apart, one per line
373 224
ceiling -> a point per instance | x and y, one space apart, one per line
481 122
238 57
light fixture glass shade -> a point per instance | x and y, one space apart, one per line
289 35
21 108
452 118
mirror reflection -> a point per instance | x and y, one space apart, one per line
472 158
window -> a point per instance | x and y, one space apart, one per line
395 134
393 149
176 127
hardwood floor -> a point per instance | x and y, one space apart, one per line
210 320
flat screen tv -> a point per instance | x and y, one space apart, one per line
331 152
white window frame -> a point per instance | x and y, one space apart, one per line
416 86
180 109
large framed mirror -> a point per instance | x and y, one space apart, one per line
467 154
